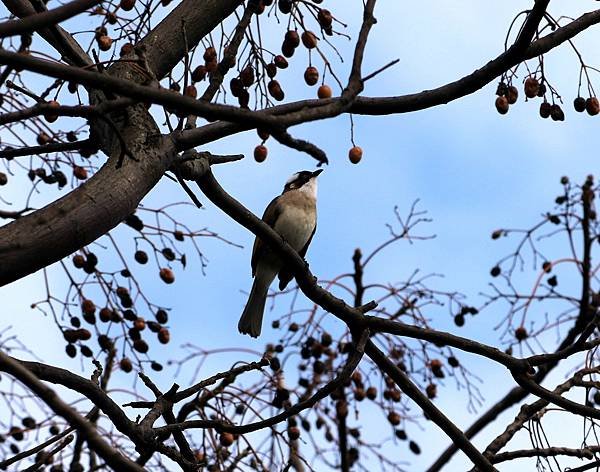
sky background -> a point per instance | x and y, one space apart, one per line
472 169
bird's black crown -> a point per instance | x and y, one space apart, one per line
300 178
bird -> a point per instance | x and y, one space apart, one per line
293 215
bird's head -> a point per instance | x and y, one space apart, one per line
301 180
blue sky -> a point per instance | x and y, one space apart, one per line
472 169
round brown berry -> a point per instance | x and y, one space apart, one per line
105 43
592 106
260 153
167 275
324 91
579 104
521 333
355 154
126 365
532 86
311 75
309 39
502 105
80 173
226 439
164 336
545 109
275 90
49 116
512 94
127 5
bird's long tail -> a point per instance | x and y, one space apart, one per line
251 319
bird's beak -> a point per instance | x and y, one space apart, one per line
317 172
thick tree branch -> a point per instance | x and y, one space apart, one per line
48 18
57 37
88 430
164 45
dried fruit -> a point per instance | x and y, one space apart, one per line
355 154
141 257
226 439
127 5
532 86
71 350
88 307
311 75
260 153
105 43
280 62
191 91
271 69
199 73
161 316
502 105
394 418
167 275
414 447
287 50
140 346
512 94
579 104
43 138
105 315
49 116
556 113
521 333
324 18
292 38
126 365
244 98
545 109
78 261
309 39
210 54
83 334
80 173
592 106
324 91
431 391
275 90
139 324
164 336
247 76
236 87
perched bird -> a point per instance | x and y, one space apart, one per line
293 214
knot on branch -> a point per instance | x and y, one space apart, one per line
192 165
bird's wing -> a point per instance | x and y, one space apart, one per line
285 276
270 217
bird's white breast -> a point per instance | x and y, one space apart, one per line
298 217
